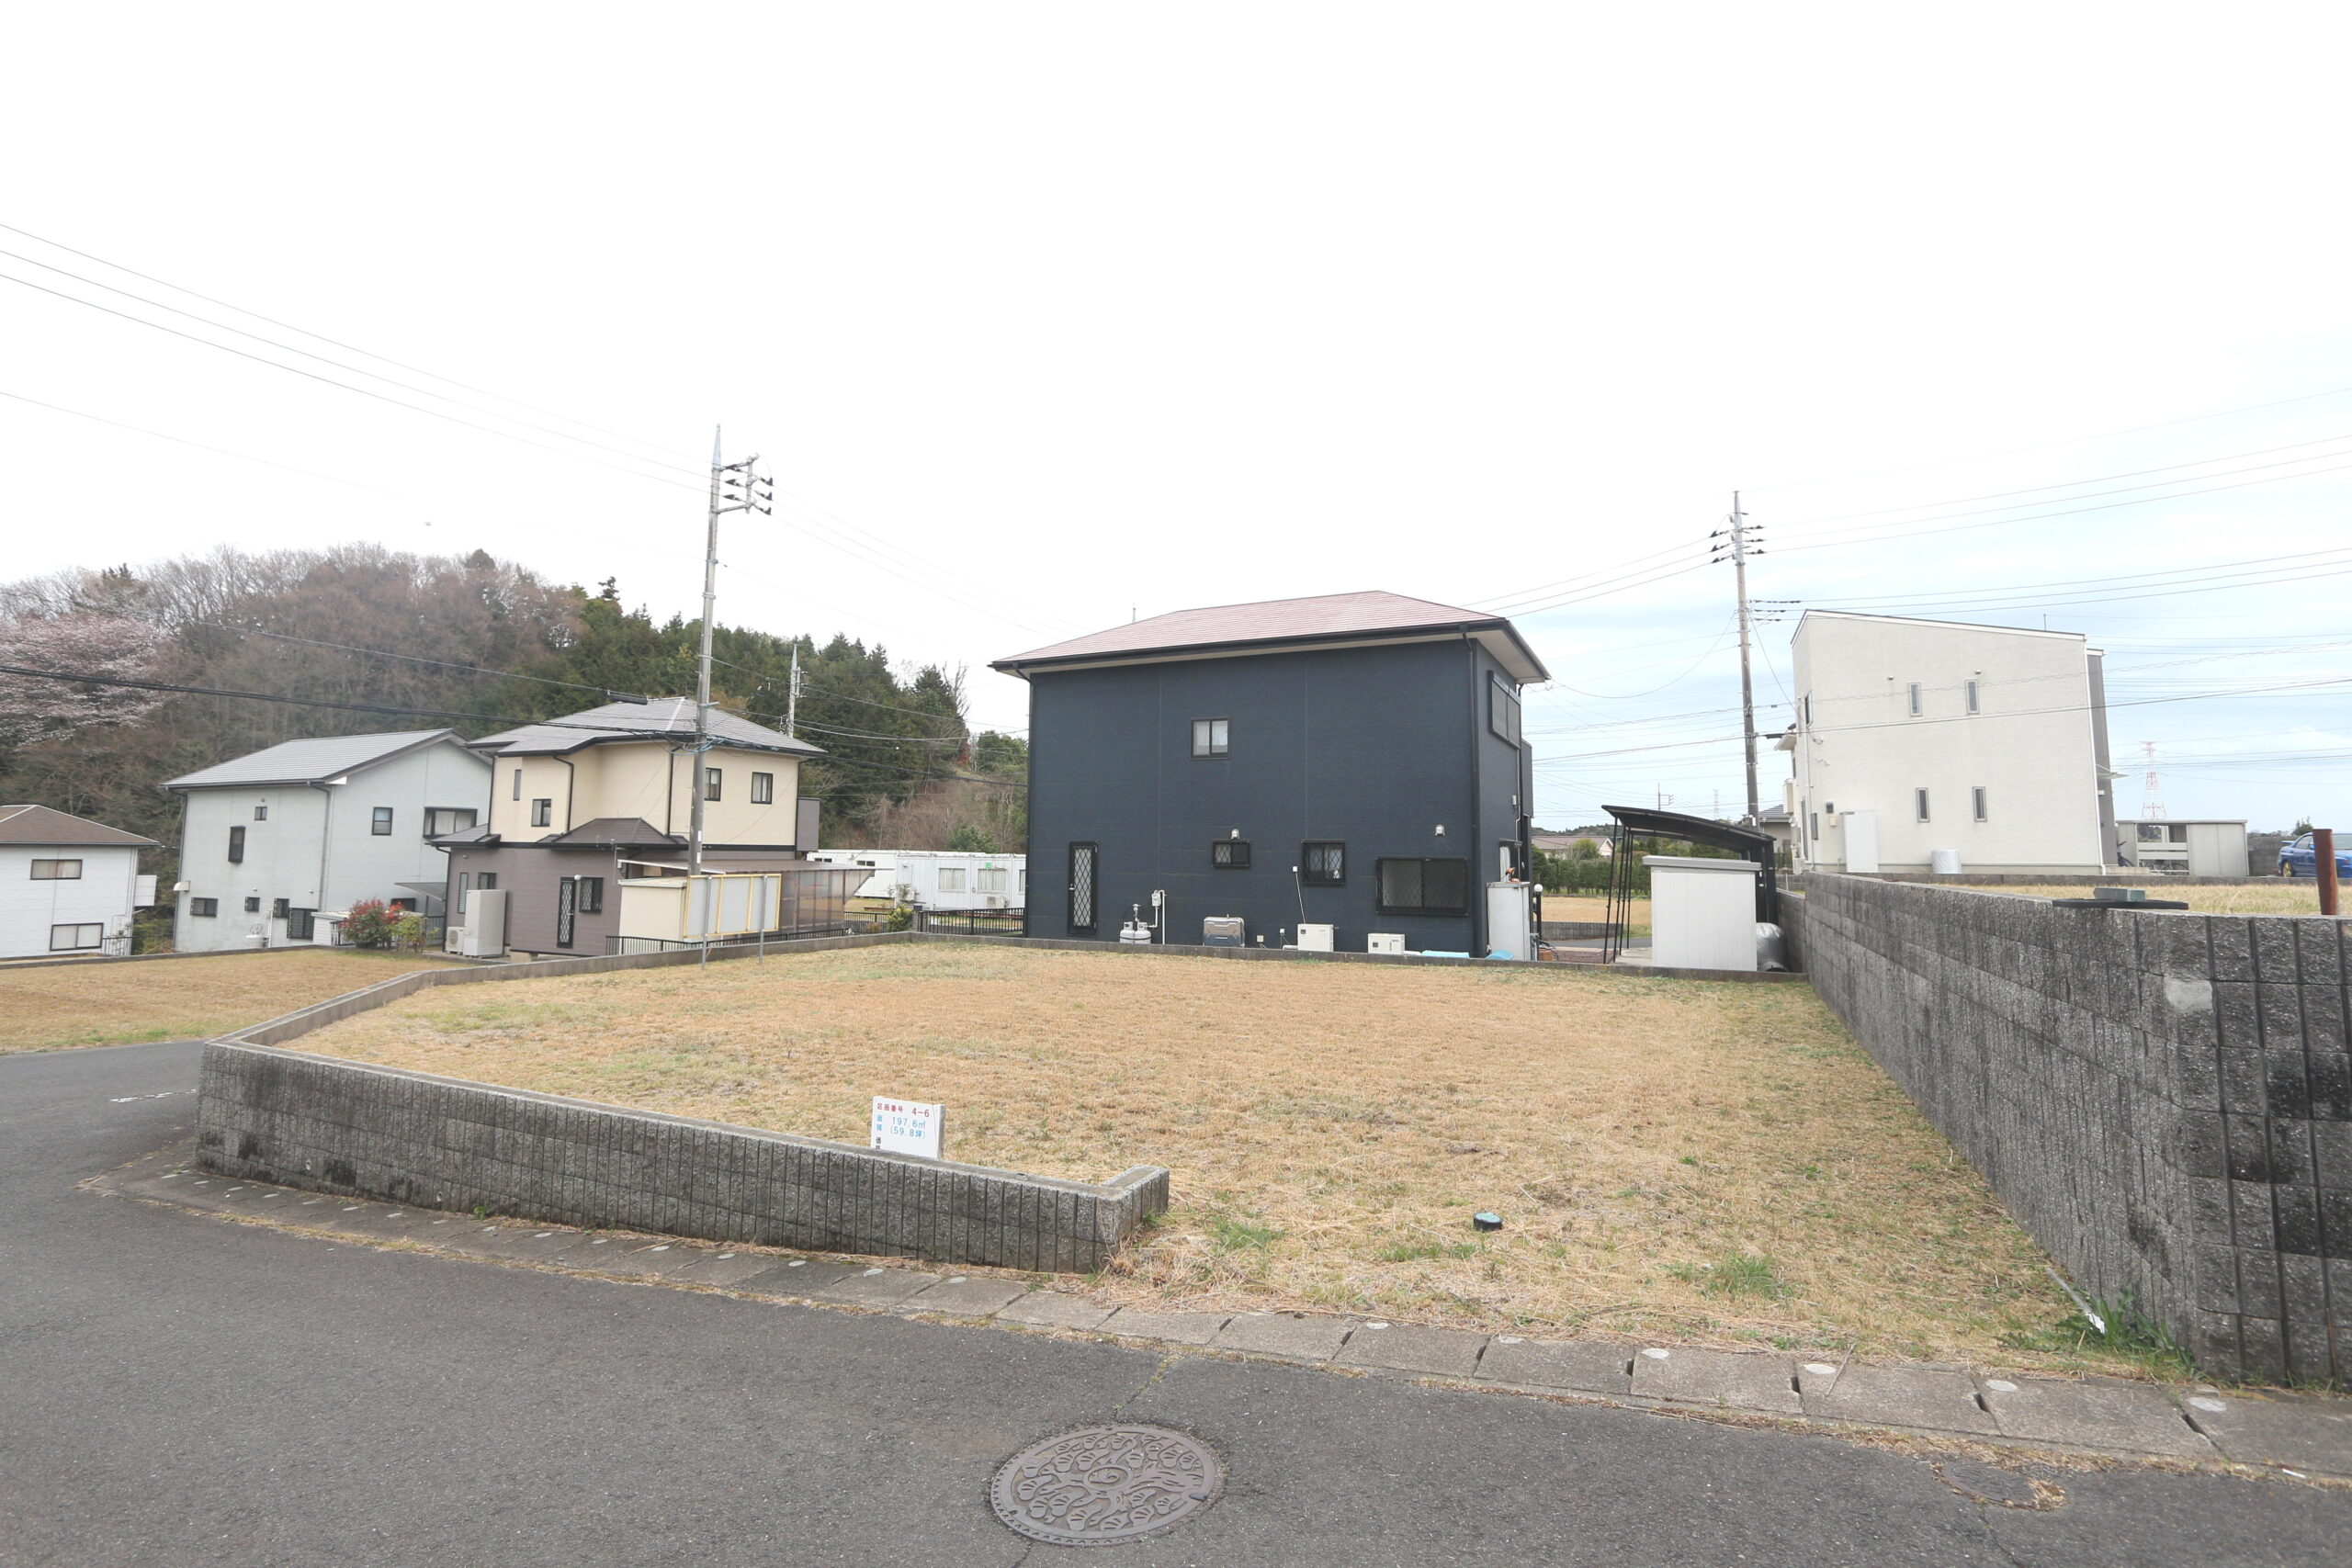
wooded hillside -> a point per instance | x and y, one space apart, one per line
470 642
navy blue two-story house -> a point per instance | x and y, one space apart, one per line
1353 761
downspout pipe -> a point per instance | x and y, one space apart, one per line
1477 890
326 846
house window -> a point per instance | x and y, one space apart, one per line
1209 736
543 813
1323 862
592 895
439 819
1422 887
567 903
710 783
236 846
951 879
204 908
991 879
763 789
379 821
518 783
1817 826
1231 854
1915 703
280 908
302 925
57 871
261 813
1022 881
1502 709
1808 707
1920 796
486 881
1085 870
1976 799
1972 696
253 907
76 938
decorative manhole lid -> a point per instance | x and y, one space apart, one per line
1102 1484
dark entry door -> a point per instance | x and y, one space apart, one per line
1082 886
567 899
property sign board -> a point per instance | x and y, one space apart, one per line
906 1126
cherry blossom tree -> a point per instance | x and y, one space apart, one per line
33 708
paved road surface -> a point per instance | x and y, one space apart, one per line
180 1390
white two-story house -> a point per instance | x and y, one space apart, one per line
272 840
68 886
1914 737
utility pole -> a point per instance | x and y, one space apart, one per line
734 487
792 696
1735 549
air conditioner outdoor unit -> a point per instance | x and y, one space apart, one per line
1314 938
1222 930
996 900
1385 942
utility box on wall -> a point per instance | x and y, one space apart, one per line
1703 912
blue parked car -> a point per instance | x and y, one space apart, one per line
2298 859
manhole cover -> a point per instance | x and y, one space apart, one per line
1101 1484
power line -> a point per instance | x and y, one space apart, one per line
200 445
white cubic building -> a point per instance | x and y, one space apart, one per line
937 879
272 840
1937 745
68 886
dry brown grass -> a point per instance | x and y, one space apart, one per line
2274 896
183 999
1706 1160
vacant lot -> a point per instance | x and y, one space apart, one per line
1595 906
175 999
2276 896
1710 1160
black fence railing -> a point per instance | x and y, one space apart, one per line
971 923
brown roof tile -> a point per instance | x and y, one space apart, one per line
1325 618
41 825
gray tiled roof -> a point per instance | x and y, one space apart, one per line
627 721
309 761
45 825
1329 617
624 832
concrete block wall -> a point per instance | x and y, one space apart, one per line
345 1127
2163 1099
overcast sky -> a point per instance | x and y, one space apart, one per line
1044 316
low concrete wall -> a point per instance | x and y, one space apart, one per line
345 1127
2164 1098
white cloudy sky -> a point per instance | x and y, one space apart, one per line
1047 314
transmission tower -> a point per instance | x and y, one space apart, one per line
2151 801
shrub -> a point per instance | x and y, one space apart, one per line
369 924
408 932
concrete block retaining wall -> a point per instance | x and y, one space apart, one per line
2164 1098
268 1114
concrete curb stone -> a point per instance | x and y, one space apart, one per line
1290 1333
2093 1413
963 1296
1901 1397
1053 1309
1176 1328
1406 1347
1737 1379
1580 1365
876 1287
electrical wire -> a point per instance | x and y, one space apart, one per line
200 445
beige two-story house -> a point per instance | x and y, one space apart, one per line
582 804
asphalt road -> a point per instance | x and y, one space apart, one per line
177 1389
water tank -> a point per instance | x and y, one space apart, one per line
1944 862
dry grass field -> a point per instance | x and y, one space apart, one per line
1594 906
2272 895
186 998
1711 1161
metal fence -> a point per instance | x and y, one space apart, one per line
971 923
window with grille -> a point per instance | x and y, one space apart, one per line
592 895
1423 886
57 871
1231 854
543 813
1085 863
1502 709
486 881
75 938
1323 862
236 846
302 925
379 822
1210 737
252 906
763 789
279 909
206 907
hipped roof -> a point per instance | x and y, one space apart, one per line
662 718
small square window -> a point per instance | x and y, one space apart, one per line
261 813
1976 797
236 846
487 881
75 938
204 908
590 898
1231 854
543 813
763 789
252 906
57 871
1323 862
280 908
1210 737
379 821
710 777
1920 796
